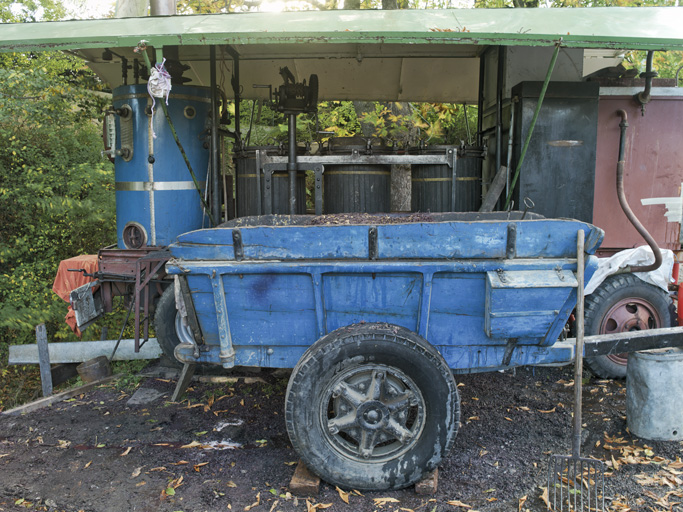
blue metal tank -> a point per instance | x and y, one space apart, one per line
156 199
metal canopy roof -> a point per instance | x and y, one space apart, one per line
416 55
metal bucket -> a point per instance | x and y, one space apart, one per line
653 391
356 188
94 369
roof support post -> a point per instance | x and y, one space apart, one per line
215 160
541 96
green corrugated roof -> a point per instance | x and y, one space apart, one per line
657 28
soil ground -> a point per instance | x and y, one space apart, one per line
225 447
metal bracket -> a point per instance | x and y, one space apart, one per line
318 171
372 243
237 244
511 248
509 348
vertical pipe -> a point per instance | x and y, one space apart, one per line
291 164
499 108
236 90
162 7
215 161
480 101
578 358
511 132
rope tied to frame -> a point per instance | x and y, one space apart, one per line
158 86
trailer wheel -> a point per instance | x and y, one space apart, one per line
623 303
372 407
169 326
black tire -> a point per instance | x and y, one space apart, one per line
165 324
622 303
396 396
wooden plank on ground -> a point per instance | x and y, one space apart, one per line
53 399
429 483
80 351
304 483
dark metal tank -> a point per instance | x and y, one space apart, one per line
353 187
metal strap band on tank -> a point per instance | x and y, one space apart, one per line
275 175
465 178
383 173
171 96
145 186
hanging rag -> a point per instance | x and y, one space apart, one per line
158 86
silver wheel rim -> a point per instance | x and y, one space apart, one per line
372 413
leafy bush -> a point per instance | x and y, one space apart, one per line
56 190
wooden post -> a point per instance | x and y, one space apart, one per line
44 360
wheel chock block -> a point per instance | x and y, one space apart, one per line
304 483
429 484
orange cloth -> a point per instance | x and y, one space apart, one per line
66 281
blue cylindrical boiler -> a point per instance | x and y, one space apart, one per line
156 199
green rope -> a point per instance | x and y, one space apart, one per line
533 122
142 48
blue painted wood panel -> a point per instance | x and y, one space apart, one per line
525 303
381 297
270 309
456 315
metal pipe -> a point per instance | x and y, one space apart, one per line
511 133
578 356
215 159
480 101
625 206
499 108
235 82
162 7
644 97
541 96
291 164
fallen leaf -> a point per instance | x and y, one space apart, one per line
170 491
179 463
547 412
140 484
509 419
231 484
126 452
383 501
343 495
522 501
255 504
137 472
203 432
193 444
160 468
63 444
544 497
290 463
457 503
273 506
197 466
87 465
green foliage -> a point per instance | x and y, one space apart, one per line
56 190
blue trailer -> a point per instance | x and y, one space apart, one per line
373 313
374 318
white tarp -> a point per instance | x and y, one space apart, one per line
631 257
